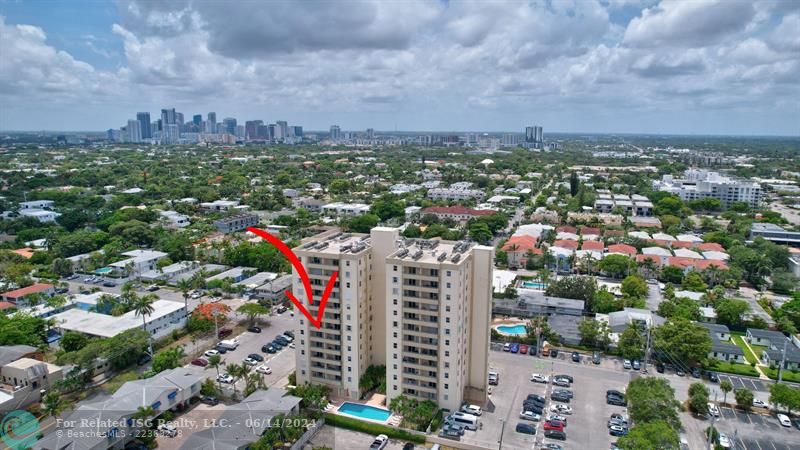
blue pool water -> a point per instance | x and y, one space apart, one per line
515 330
365 411
534 285
104 270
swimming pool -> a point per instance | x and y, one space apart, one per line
534 285
103 271
514 330
365 411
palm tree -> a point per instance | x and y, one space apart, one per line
726 386
144 307
214 362
52 404
142 414
185 285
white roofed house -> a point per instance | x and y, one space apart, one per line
138 262
657 252
41 210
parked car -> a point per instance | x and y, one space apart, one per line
616 430
409 446
109 284
525 428
523 349
532 350
555 434
680 372
168 429
626 364
695 372
713 410
660 367
559 397
561 409
152 288
278 344
289 333
514 348
636 364
554 353
596 358
712 377
616 401
566 377
784 420
506 347
724 441
200 362
449 432
210 353
557 381
760 404
380 442
539 378
551 446
565 392
557 417
576 357
254 329
263 370
209 400
221 349
494 378
223 332
614 392
475 410
554 425
268 349
535 398
250 361
530 415
224 378
533 407
256 356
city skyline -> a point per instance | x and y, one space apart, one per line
710 67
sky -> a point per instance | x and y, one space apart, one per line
602 66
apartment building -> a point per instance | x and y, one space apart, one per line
699 184
422 308
237 222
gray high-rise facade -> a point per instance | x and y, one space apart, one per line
134 130
167 117
229 124
197 119
144 124
284 129
336 132
211 123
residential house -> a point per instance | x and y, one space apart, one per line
518 248
766 338
237 222
23 296
24 376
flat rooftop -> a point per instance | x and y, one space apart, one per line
431 251
336 243
103 325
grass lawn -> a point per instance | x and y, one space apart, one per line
787 375
758 349
748 355
115 383
734 368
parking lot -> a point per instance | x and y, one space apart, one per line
748 431
586 426
339 438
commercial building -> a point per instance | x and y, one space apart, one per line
455 194
421 308
700 184
236 222
456 213
339 209
775 233
138 262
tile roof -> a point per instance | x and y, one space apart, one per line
32 289
593 245
566 243
523 243
710 247
622 248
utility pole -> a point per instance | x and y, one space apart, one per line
711 428
502 429
783 361
647 349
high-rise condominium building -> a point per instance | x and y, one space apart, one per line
197 119
370 133
167 117
336 132
211 123
283 128
534 134
251 128
229 125
698 184
179 121
144 124
134 130
421 308
298 131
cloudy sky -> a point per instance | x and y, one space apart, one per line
669 66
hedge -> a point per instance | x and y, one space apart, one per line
374 429
788 375
733 368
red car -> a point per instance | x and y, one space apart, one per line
223 332
199 362
554 425
523 349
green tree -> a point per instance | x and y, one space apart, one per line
616 265
168 359
253 310
574 184
652 399
672 274
387 207
73 341
480 232
725 386
693 281
781 394
744 398
574 287
61 266
631 343
649 436
52 404
363 223
698 398
605 302
634 286
339 186
679 308
730 311
685 341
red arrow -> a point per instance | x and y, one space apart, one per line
301 270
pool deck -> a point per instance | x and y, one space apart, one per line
508 322
393 420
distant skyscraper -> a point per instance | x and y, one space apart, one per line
144 124
240 132
229 124
167 117
211 122
534 135
274 132
262 132
284 129
197 119
134 131
336 132
158 125
298 131
251 129
370 133
171 134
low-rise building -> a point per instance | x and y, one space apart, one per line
768 338
219 205
174 219
236 222
23 296
721 347
519 248
452 194
339 209
775 233
457 213
138 262
235 274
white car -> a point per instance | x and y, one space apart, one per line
263 369
539 378
291 345
784 420
250 361
475 410
225 378
713 410
557 417
507 347
561 409
168 429
210 353
760 404
724 442
380 442
626 364
530 415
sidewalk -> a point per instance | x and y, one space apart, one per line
761 374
